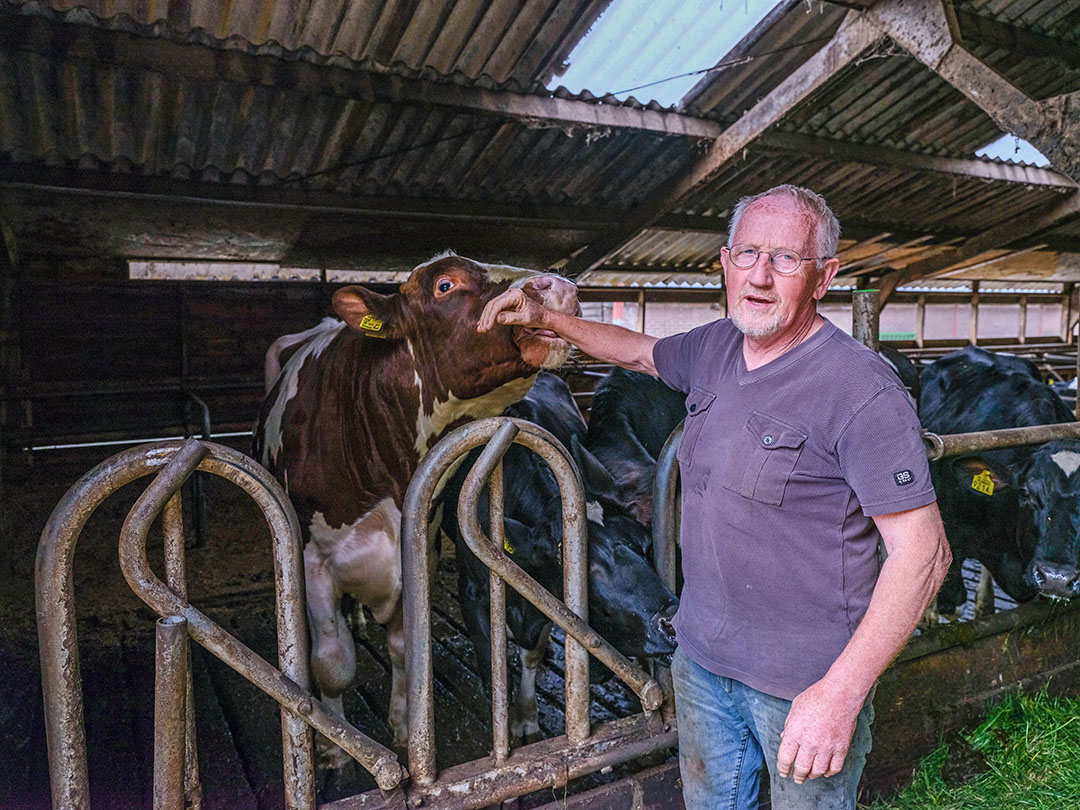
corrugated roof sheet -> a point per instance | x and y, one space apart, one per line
240 116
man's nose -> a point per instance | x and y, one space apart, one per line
760 274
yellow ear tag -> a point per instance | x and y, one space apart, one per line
370 323
983 483
506 545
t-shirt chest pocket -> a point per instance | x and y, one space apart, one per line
763 457
697 408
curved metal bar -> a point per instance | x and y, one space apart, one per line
955 444
665 534
58 637
665 528
426 482
289 688
574 530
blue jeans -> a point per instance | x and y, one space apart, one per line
726 729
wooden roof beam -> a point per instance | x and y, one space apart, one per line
853 37
929 31
1011 230
978 168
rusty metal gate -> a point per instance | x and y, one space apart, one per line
505 774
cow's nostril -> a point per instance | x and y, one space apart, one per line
1038 577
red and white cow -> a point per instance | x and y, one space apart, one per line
354 407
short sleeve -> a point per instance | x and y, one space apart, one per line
674 357
882 455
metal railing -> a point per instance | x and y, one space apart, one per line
548 763
176 779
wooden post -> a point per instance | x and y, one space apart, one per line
1021 324
865 314
1065 333
973 331
641 311
920 321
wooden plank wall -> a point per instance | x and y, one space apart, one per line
106 360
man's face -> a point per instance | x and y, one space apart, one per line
761 302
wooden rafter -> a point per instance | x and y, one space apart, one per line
1009 231
976 28
929 31
853 37
976 168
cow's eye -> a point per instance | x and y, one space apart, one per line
444 285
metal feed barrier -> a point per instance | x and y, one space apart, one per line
176 779
506 774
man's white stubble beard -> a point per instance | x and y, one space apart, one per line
756 330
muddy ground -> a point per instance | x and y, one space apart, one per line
230 578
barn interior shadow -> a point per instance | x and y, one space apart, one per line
230 578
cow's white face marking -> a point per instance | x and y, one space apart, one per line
318 338
1068 460
594 512
443 413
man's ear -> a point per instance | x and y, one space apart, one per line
828 272
366 311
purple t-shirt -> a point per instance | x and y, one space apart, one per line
782 468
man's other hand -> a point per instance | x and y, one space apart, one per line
817 733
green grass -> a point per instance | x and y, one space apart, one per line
1024 756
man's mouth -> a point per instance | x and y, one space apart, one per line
758 300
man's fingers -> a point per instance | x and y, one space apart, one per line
503 301
836 764
785 757
803 768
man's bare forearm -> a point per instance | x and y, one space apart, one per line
606 342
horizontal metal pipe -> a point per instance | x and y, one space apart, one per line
955 444
546 764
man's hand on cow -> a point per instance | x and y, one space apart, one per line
817 733
512 308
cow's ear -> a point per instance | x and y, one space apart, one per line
598 481
366 311
983 476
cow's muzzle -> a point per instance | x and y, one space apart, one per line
1054 579
661 643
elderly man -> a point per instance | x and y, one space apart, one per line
800 451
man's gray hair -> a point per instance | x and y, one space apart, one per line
826 231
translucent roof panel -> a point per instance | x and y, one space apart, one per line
657 49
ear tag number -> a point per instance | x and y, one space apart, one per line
373 324
509 548
983 483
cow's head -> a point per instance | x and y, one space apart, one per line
436 312
1049 500
1035 510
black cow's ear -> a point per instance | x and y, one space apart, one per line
595 476
366 311
983 476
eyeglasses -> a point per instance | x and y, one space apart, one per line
784 261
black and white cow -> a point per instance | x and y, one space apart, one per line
628 604
1016 510
632 416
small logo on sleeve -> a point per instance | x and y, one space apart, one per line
903 478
